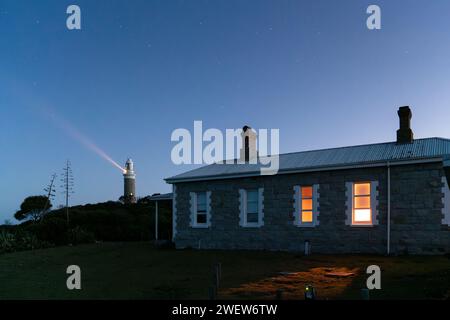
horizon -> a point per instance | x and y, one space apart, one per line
136 72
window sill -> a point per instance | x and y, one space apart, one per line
362 225
252 225
304 225
200 226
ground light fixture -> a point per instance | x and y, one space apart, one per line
310 292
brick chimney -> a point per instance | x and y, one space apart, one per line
405 134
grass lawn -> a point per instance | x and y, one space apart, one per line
139 271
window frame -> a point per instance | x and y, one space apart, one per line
195 210
298 206
350 203
243 208
202 212
354 197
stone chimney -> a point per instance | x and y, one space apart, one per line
405 134
248 149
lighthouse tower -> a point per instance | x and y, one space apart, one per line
129 183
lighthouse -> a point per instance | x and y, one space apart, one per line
129 183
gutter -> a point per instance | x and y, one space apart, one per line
316 169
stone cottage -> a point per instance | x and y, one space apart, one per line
381 198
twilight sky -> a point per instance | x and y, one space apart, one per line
140 69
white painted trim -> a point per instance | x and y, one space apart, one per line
291 171
348 203
260 207
297 205
192 208
445 202
242 206
193 211
374 203
243 209
174 212
316 207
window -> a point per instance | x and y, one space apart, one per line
362 202
200 209
251 207
306 209
307 205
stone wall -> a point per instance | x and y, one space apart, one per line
416 213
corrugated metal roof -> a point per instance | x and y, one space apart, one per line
328 158
165 196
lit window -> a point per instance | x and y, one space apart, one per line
307 204
362 211
201 208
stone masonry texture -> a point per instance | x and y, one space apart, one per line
416 213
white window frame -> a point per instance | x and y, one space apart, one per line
194 210
298 206
445 202
243 208
374 193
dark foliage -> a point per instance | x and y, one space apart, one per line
33 207
109 221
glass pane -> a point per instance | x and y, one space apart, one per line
201 218
307 204
252 207
362 215
362 202
307 216
252 195
201 198
307 192
362 189
201 207
252 217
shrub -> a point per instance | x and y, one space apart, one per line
20 240
7 241
78 236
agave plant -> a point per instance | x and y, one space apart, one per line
7 241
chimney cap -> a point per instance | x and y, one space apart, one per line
405 110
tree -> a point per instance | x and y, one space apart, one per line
33 208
